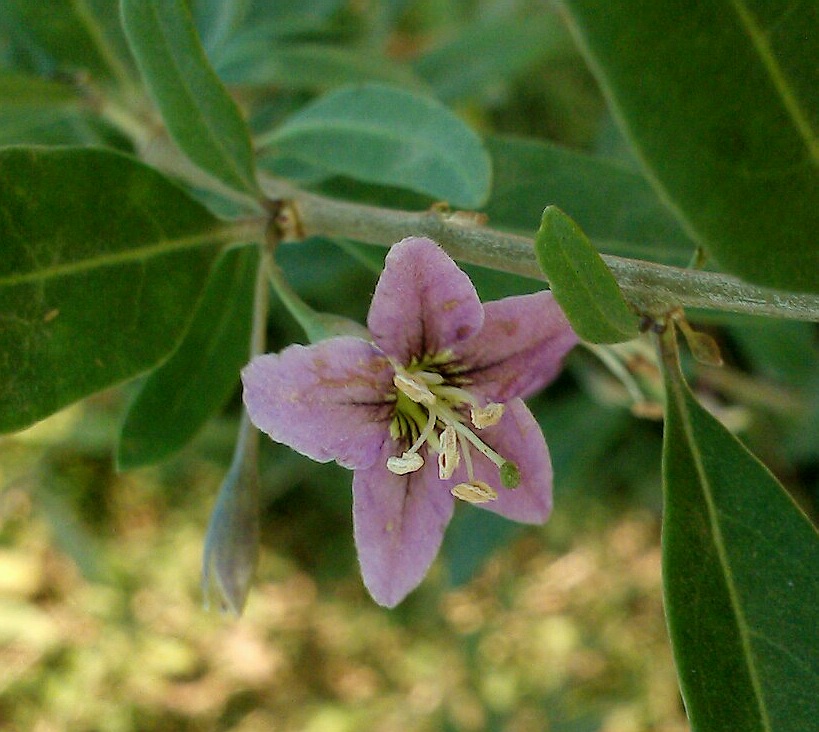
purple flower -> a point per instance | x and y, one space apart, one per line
427 412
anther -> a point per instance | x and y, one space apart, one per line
413 387
448 458
487 416
409 462
475 492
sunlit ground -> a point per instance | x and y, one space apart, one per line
562 630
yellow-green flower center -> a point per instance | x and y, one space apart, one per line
430 410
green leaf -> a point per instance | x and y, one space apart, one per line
740 579
719 99
312 66
103 262
177 399
21 91
38 110
616 207
471 539
389 136
74 33
492 52
200 115
226 27
786 351
581 282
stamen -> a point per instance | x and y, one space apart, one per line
429 377
425 434
413 387
487 416
475 491
450 417
470 472
409 462
448 457
456 395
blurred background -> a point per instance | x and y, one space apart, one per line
516 629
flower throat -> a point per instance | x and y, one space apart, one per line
428 412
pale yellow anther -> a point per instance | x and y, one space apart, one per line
415 388
474 492
449 458
409 462
487 416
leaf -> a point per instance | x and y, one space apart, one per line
216 21
103 262
21 91
256 24
38 110
493 52
389 136
200 115
616 208
311 66
581 282
719 100
177 399
471 539
71 32
740 580
785 351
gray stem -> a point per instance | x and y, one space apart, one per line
651 288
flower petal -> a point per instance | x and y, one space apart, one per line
423 304
517 437
329 401
399 523
520 348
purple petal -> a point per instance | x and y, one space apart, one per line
520 348
423 303
517 437
329 401
399 523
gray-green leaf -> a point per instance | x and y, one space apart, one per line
581 282
616 207
493 51
312 66
740 576
719 99
177 399
103 262
380 134
200 115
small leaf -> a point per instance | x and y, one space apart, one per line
177 399
200 115
103 262
389 136
702 346
581 282
719 99
740 580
